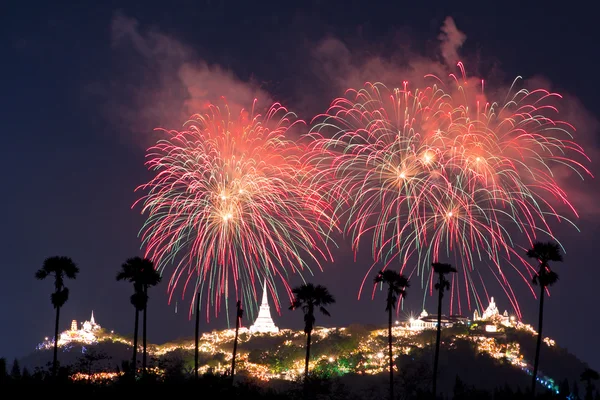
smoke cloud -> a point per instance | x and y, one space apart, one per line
162 82
451 41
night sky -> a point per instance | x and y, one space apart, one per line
84 85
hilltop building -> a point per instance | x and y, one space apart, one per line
429 321
86 334
423 322
264 323
492 314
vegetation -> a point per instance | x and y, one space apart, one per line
142 274
60 268
339 356
396 287
544 253
239 313
443 284
309 297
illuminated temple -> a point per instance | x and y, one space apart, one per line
264 323
491 315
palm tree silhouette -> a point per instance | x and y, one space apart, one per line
134 270
544 253
197 335
397 285
587 376
239 314
442 270
308 297
59 267
150 277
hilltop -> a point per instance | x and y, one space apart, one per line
488 358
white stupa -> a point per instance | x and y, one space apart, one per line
491 311
264 323
493 314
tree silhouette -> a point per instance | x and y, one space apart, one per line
588 376
3 371
197 332
238 317
89 360
134 270
397 285
543 253
15 371
442 270
60 268
150 277
25 375
310 297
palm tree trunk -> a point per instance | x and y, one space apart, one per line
437 338
197 334
307 354
235 342
135 343
538 346
55 356
390 350
144 332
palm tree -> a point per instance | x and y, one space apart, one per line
150 277
397 285
442 270
544 253
197 335
588 376
133 271
308 297
59 267
239 314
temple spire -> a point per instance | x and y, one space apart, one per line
264 323
265 299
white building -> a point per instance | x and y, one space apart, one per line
84 335
423 322
492 314
264 323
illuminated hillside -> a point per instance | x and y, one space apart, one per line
335 351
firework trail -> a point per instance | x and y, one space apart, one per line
227 208
439 173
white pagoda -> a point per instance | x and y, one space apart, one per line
493 314
264 323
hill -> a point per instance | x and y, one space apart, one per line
479 358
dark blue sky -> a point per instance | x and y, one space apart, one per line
85 84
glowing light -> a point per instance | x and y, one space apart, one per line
366 140
231 204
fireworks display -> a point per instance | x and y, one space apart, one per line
438 173
226 207
441 173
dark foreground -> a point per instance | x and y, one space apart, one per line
221 388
